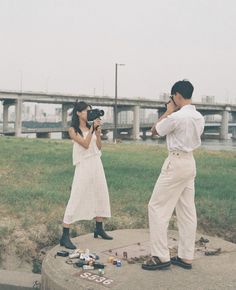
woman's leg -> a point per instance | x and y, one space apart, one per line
99 231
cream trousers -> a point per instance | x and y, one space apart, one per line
174 189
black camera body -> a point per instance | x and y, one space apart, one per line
94 114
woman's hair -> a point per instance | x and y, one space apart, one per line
75 123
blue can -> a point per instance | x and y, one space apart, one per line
118 263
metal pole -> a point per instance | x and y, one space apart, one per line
115 108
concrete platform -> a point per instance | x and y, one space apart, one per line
208 273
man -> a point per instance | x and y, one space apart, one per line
182 125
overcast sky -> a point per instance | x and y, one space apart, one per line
71 46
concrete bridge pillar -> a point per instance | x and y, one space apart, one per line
136 123
144 136
224 128
65 108
5 117
234 133
18 117
234 128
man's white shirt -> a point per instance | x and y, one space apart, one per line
183 129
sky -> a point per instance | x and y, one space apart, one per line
71 46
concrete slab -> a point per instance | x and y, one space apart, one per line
12 280
208 273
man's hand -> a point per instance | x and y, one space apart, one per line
171 107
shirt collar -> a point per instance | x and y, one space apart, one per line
188 107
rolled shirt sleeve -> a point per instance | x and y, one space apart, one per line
202 125
165 126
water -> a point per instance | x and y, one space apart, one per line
211 144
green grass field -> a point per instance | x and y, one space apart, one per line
36 175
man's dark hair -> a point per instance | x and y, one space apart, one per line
184 88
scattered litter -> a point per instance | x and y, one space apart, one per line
202 247
125 255
213 252
114 262
111 259
87 267
76 254
62 254
84 259
140 259
101 272
118 263
202 242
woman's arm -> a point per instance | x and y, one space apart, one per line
79 139
98 135
97 126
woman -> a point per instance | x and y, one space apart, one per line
89 197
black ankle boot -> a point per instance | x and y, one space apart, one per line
65 240
99 231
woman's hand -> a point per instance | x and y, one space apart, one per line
97 124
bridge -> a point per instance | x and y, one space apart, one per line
15 98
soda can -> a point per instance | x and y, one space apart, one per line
101 272
82 256
118 263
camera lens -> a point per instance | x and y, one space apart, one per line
101 113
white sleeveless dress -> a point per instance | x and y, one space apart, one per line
89 196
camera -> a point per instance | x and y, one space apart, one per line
94 114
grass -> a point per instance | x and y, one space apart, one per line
36 175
